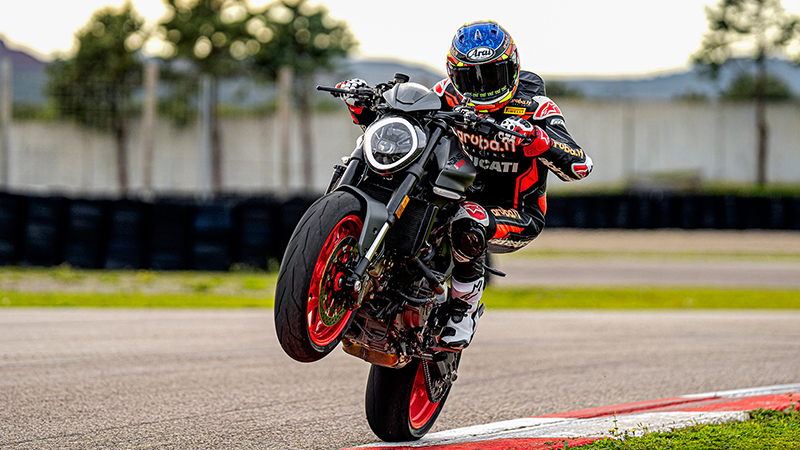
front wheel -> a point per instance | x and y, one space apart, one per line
399 407
312 307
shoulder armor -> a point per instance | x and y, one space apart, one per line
446 89
545 108
440 87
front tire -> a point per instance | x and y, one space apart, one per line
311 308
397 402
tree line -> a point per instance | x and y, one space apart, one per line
208 40
288 41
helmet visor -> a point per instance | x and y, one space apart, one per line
485 81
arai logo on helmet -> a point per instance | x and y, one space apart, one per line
480 54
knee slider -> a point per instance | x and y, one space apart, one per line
468 232
468 239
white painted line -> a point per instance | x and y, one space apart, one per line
475 432
635 424
749 392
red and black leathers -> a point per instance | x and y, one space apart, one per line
510 185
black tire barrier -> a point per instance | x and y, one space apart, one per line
127 235
43 238
648 211
212 232
11 228
259 225
171 235
85 240
188 234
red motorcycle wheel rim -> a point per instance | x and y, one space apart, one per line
420 408
321 334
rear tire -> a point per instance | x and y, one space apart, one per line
311 313
397 403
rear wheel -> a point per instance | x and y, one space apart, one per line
399 406
312 305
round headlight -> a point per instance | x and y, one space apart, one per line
391 142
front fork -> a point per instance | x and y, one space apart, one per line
379 217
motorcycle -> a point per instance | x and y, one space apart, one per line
368 263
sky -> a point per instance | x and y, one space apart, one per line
554 37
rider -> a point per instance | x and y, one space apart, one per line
507 202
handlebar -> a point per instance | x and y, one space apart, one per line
467 117
333 90
359 92
463 116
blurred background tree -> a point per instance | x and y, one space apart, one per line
744 87
207 34
759 29
94 86
298 40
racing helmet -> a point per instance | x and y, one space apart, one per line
483 65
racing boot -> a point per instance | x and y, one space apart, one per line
466 311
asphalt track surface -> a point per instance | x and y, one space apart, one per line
624 272
564 257
116 378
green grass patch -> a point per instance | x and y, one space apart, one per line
640 298
240 282
65 286
495 298
132 300
766 429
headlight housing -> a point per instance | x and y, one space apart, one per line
392 143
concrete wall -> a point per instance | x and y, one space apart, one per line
717 141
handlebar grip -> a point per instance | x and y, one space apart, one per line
332 89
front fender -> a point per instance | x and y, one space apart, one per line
375 215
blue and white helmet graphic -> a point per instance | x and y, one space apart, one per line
483 64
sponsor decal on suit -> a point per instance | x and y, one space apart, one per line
514 110
480 142
497 166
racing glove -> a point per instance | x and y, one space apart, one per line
353 83
539 140
350 99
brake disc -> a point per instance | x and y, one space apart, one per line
333 302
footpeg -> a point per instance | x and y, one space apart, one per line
494 271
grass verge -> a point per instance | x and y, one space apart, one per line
131 300
65 286
495 298
766 429
641 298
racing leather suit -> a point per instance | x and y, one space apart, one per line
511 186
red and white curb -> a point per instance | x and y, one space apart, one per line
580 427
